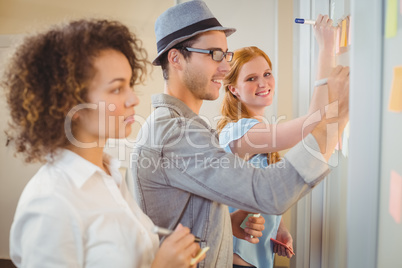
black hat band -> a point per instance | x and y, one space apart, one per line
198 26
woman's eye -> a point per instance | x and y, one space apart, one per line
116 90
267 74
250 79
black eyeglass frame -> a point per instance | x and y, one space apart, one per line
212 53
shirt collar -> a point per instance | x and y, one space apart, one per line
80 169
164 100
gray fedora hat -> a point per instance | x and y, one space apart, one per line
182 22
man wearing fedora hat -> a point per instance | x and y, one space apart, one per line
181 175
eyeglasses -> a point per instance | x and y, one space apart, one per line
217 54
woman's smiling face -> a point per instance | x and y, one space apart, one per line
255 85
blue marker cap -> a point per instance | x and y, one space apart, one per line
303 21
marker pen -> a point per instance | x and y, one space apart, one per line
164 232
199 255
303 21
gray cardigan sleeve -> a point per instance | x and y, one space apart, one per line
195 163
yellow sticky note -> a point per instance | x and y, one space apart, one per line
395 196
344 42
391 19
395 99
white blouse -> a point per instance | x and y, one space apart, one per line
73 214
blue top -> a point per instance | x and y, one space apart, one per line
261 254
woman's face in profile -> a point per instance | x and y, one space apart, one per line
111 99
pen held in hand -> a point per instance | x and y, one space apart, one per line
303 21
243 224
199 255
165 232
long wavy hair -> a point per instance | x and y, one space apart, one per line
49 74
232 109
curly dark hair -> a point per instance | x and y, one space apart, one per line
49 74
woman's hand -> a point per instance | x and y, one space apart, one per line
177 250
285 237
325 33
255 226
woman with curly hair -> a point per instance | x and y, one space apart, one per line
249 89
70 89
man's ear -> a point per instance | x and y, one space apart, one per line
233 90
174 58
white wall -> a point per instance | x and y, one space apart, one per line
13 173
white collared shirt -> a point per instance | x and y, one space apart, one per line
73 214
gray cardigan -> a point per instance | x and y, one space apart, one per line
181 175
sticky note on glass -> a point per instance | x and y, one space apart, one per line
395 196
395 98
344 41
391 19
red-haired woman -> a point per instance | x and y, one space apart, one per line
249 89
